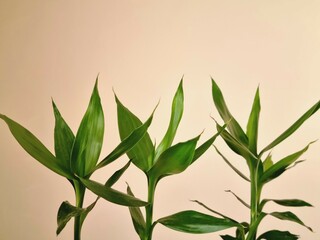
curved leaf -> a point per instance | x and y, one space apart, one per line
176 115
290 217
196 222
127 143
292 128
89 138
141 152
281 166
137 218
278 235
253 123
233 126
116 176
35 148
63 138
286 202
174 160
112 195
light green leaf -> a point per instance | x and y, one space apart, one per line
127 143
290 217
176 114
137 217
278 235
196 222
141 152
63 138
292 128
233 126
253 123
89 138
267 163
35 148
112 195
281 166
174 160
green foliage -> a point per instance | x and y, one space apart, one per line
261 172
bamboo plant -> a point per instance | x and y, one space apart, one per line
157 162
262 170
76 158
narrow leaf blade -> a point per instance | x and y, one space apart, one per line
233 126
112 195
292 128
128 122
89 138
116 176
176 115
278 235
290 217
35 148
196 222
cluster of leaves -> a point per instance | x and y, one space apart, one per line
76 159
262 170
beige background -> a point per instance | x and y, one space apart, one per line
141 49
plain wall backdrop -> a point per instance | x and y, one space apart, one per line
141 49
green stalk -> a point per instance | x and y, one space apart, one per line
149 209
79 191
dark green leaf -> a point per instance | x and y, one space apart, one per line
278 235
115 177
35 148
292 128
89 138
137 217
176 114
196 222
286 202
127 143
112 195
233 126
239 199
290 217
233 167
228 237
63 138
174 160
68 211
204 147
253 123
279 167
141 152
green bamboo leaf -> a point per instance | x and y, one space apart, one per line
63 138
176 115
253 123
238 198
141 152
196 222
267 163
112 195
286 202
137 218
205 146
292 128
290 217
233 167
89 138
281 166
278 235
174 160
127 143
116 176
233 126
67 211
35 148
